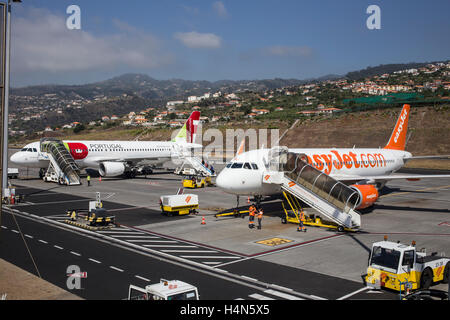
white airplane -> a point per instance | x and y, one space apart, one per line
115 158
365 170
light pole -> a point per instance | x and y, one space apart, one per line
4 82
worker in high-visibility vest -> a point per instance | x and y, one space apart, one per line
301 219
260 214
251 216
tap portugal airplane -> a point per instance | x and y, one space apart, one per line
365 170
115 158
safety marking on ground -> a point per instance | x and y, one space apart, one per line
274 241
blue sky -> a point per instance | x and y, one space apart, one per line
214 40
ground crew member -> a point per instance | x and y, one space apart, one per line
260 214
301 219
88 180
73 216
251 216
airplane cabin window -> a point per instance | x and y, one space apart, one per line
236 165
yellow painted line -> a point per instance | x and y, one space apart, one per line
425 189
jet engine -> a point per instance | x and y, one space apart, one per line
368 194
111 169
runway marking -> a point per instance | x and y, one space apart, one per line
249 278
166 246
282 295
135 237
115 268
28 236
210 257
15 231
3 227
93 260
142 278
190 251
210 262
353 293
58 247
259 297
407 192
75 253
160 241
43 241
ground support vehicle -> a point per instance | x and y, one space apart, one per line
401 267
164 290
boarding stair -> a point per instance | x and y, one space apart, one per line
188 158
61 161
329 197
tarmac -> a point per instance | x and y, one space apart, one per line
406 211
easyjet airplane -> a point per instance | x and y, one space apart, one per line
114 158
365 170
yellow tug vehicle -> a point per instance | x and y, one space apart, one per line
401 267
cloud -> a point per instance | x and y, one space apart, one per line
219 9
199 40
42 43
288 51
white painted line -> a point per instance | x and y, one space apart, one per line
210 257
280 287
282 295
353 293
190 251
15 231
211 262
249 278
131 236
75 253
58 247
43 241
119 232
259 297
142 278
316 297
3 227
161 241
166 246
93 260
28 236
115 268
238 299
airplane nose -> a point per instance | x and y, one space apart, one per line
15 158
221 181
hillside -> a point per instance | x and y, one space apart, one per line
430 128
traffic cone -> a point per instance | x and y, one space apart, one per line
203 220
100 179
248 199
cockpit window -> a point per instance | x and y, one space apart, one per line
247 166
236 165
229 165
24 149
254 166
34 150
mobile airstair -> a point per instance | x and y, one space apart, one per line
62 167
329 197
188 158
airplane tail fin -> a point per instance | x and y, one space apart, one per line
397 141
188 132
